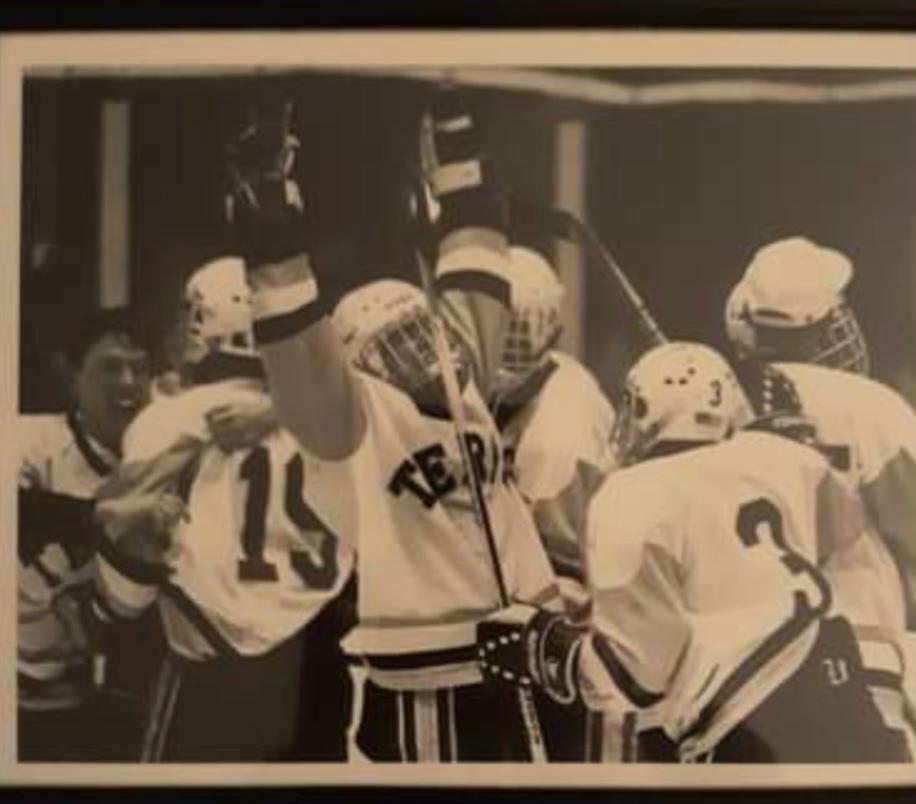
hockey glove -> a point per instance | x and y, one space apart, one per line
455 166
263 203
525 645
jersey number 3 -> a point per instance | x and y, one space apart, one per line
255 470
762 514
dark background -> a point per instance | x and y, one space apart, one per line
682 195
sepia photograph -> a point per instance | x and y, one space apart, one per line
386 401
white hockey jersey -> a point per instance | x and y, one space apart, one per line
706 592
869 432
252 563
557 436
56 455
402 499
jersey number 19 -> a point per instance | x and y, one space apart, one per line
256 471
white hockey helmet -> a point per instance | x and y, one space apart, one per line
790 305
387 331
534 323
219 316
678 391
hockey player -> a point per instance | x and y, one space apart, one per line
241 580
789 308
390 477
558 461
64 459
232 425
708 601
556 426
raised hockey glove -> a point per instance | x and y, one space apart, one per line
455 165
263 202
525 645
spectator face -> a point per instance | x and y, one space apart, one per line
112 385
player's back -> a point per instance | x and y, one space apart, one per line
745 498
251 564
704 568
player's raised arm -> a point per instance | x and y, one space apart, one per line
310 381
472 249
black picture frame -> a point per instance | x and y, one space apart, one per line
845 16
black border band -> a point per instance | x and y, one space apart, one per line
414 661
625 682
476 281
280 327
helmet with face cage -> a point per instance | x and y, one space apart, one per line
534 324
218 315
790 305
387 331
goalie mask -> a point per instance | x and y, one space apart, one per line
678 392
387 331
790 306
534 323
218 312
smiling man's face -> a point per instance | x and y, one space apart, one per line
112 385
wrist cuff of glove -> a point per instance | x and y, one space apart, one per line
268 226
285 299
266 242
457 139
472 201
557 655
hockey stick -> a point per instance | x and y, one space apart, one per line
566 226
455 405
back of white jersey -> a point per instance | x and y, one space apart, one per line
252 563
403 500
253 557
864 428
705 583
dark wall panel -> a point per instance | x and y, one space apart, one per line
683 195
